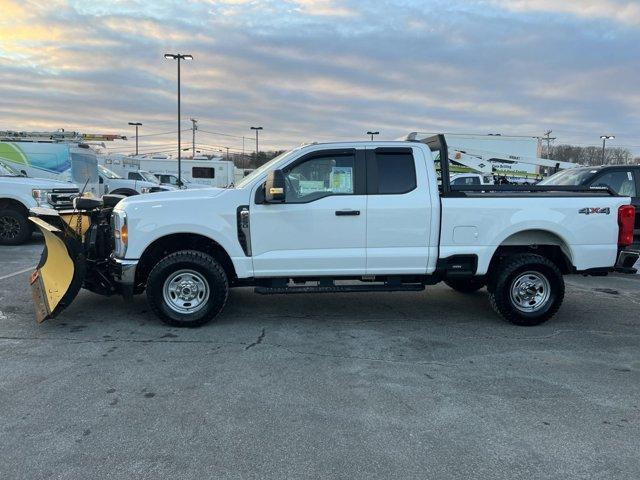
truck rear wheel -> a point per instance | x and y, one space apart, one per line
187 289
526 289
465 285
14 227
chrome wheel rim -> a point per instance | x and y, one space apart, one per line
530 292
186 291
9 228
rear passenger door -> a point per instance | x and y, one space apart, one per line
398 212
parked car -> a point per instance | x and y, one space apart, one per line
172 180
621 179
340 217
471 179
19 193
115 184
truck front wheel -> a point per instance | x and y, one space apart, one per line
187 288
14 227
526 289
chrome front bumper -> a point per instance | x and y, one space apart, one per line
124 271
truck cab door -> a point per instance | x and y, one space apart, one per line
399 212
320 227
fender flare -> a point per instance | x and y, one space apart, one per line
127 192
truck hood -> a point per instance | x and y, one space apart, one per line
156 199
41 183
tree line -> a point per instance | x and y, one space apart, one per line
593 155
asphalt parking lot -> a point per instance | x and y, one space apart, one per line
397 385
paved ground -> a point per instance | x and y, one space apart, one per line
429 385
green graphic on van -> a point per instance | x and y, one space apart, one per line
44 156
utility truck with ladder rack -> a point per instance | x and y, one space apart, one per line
335 218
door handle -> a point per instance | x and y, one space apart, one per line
344 213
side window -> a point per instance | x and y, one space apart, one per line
203 172
396 172
134 176
320 177
620 181
473 181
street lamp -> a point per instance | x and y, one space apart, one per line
178 57
372 134
136 124
256 129
604 139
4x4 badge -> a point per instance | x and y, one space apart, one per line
592 210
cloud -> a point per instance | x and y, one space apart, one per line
321 70
327 8
623 11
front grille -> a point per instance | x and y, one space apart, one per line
62 198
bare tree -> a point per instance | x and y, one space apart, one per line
592 155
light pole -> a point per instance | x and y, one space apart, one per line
194 127
243 159
604 139
136 124
257 129
372 134
178 57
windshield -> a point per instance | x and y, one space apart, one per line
7 171
108 173
172 179
259 171
571 177
149 177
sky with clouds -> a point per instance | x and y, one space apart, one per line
311 70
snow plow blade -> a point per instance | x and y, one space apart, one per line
59 275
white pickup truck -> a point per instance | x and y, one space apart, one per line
338 217
19 193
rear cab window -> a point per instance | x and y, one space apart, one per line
621 182
391 171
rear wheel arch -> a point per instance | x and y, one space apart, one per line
176 242
537 241
127 192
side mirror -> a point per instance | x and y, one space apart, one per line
100 180
274 187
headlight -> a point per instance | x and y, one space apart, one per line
120 233
145 190
40 195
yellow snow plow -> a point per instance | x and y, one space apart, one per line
77 247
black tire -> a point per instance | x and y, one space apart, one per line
205 269
526 270
14 227
466 285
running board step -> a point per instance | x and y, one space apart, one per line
409 287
